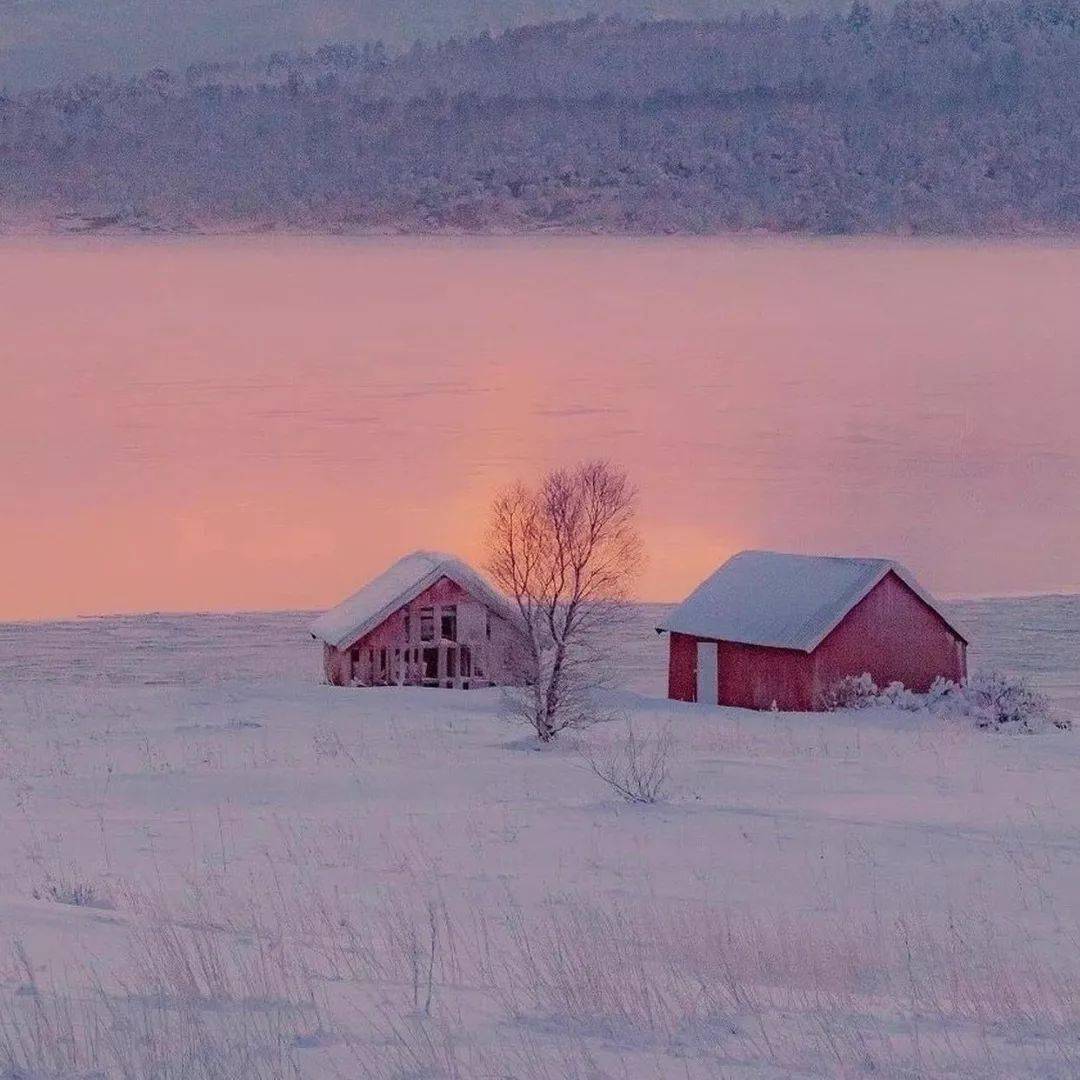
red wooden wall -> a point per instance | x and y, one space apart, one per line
894 636
682 668
391 632
754 677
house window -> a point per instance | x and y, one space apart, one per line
427 624
466 661
448 630
451 664
431 665
407 638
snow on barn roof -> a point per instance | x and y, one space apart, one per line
784 601
407 578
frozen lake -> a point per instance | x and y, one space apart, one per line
264 423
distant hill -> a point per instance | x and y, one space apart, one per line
919 119
45 41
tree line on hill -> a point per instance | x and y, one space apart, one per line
922 119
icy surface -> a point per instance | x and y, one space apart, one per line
196 827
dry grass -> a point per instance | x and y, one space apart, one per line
581 989
310 983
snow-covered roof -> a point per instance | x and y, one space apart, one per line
784 601
393 588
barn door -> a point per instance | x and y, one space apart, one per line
708 674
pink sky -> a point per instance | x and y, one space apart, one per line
264 423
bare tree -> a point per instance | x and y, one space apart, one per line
567 552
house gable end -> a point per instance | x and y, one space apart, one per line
913 592
342 626
428 592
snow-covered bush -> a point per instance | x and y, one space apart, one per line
940 689
851 692
994 700
1003 702
898 696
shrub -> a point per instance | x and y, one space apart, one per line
941 689
77 893
898 696
636 768
851 692
1004 703
995 701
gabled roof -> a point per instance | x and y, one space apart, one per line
345 624
785 601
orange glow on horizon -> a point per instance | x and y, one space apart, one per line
265 423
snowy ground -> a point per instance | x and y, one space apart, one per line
213 866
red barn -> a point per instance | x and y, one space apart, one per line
773 628
428 620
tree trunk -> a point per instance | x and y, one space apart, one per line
551 698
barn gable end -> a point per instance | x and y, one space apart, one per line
894 636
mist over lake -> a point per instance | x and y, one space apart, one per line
264 422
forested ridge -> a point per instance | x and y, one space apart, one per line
922 119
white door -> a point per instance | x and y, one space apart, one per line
708 675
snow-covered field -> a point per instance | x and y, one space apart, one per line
213 866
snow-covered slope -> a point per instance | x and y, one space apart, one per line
278 878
